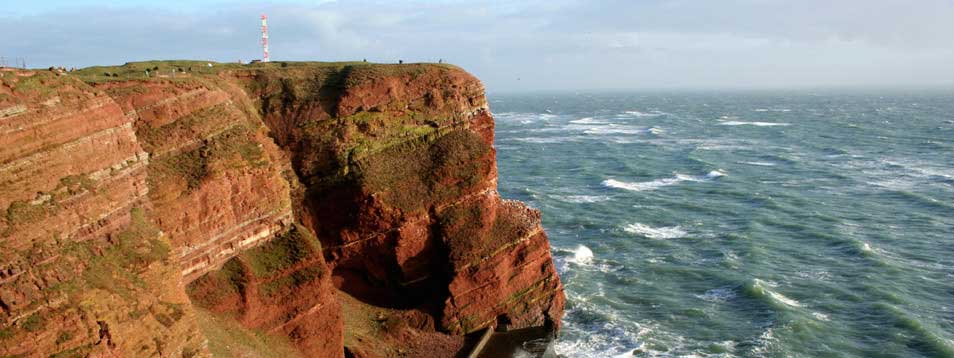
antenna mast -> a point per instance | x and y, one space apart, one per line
265 38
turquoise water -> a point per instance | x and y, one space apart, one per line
742 224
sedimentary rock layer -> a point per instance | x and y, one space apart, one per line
311 208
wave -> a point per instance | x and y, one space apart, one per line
596 330
714 174
580 199
772 110
582 255
652 185
588 120
544 140
766 344
760 289
922 335
617 129
721 294
759 164
523 117
922 169
658 183
641 114
662 233
758 124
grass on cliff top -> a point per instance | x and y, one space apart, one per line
39 85
137 70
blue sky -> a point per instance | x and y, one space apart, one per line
522 45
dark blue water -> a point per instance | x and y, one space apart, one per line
742 224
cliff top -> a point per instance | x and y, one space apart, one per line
185 68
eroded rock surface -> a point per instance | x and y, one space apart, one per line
313 208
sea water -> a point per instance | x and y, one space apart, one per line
735 224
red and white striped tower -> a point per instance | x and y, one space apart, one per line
265 38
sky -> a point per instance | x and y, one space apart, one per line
520 45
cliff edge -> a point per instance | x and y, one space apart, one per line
171 208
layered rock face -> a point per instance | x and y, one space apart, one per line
83 269
313 209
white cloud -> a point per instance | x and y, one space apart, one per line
552 44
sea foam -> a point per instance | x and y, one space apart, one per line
617 129
582 255
588 120
642 186
580 199
721 294
671 232
758 124
641 114
658 183
759 288
759 164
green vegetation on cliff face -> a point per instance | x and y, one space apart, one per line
133 249
374 158
227 337
113 275
231 149
419 172
274 267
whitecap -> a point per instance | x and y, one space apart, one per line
783 299
765 343
544 140
523 117
616 129
581 198
643 186
662 233
921 169
760 164
645 114
758 124
582 255
821 316
721 294
587 120
656 130
658 183
760 287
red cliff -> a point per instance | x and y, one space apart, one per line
319 209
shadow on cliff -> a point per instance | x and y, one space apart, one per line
331 201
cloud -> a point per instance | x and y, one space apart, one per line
556 44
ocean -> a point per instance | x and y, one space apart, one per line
742 224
